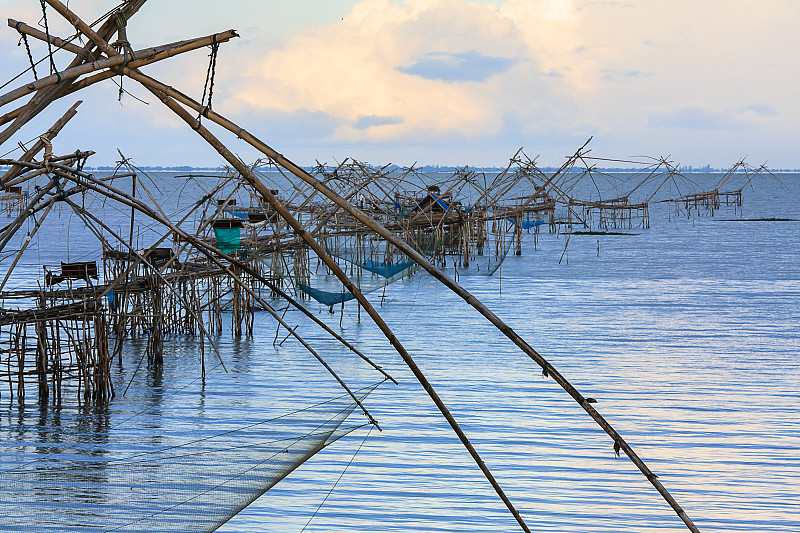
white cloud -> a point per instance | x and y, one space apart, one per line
436 79
370 65
442 69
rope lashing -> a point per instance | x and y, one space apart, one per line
53 69
24 39
122 34
209 85
80 160
48 153
122 44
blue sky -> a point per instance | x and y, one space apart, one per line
453 81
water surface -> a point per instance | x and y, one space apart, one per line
687 335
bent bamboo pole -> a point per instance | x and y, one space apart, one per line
15 171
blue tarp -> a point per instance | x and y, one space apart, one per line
440 202
326 297
528 224
387 270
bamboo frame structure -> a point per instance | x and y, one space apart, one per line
348 217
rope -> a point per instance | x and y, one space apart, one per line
209 85
338 480
53 69
80 160
126 91
48 153
24 39
122 44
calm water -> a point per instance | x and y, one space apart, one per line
687 334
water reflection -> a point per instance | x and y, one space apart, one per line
687 336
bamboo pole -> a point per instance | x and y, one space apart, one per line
547 368
14 171
150 55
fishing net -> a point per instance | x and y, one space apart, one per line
375 262
330 291
329 298
387 270
375 273
77 486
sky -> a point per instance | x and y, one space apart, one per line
449 82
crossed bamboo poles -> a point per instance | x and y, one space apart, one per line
88 59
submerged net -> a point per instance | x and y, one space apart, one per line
528 224
338 294
330 291
371 262
387 270
76 486
329 298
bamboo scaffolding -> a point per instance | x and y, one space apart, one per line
453 231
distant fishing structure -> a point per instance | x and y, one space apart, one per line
256 240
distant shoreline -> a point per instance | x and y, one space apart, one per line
428 168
